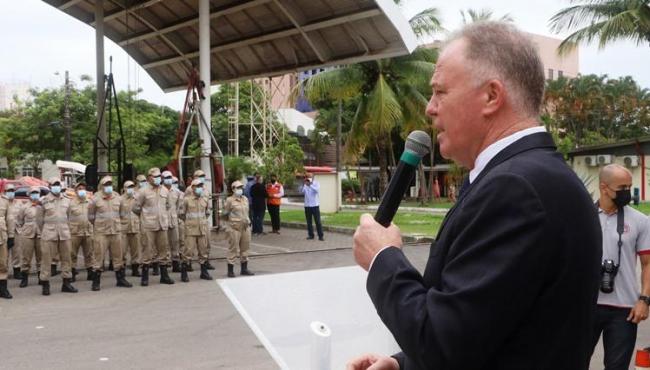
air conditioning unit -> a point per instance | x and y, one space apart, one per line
591 161
604 159
631 161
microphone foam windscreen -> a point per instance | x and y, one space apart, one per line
419 143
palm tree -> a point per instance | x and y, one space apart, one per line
604 20
391 94
472 16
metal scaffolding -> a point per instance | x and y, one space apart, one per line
261 122
233 120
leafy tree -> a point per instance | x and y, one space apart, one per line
237 168
284 160
605 21
391 95
595 109
34 131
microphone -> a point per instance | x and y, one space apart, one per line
418 144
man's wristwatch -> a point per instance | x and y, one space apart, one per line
645 299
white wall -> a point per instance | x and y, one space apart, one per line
330 197
590 174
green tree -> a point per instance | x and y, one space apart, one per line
237 168
605 21
390 92
33 131
284 160
595 109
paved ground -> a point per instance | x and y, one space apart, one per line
183 326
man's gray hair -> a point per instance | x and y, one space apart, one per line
499 50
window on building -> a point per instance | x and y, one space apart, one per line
27 171
560 74
550 73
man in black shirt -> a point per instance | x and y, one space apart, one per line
258 205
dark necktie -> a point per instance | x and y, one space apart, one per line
464 187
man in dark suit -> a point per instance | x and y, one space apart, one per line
512 278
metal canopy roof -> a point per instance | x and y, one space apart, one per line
249 38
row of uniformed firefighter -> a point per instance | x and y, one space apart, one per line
154 223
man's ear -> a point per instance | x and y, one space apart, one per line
494 95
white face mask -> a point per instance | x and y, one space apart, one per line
239 192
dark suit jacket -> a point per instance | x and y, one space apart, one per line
258 195
512 279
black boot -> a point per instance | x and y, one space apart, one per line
176 266
120 275
184 277
156 269
210 267
189 267
17 274
46 287
244 270
89 276
66 287
24 276
97 281
135 270
164 276
204 272
74 274
144 280
4 293
54 272
231 270
110 265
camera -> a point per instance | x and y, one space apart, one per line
608 271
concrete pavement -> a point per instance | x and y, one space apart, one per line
182 326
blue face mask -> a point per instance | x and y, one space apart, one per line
198 191
167 181
143 184
10 195
81 193
56 189
130 191
156 181
34 196
202 179
108 189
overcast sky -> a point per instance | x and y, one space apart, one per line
38 40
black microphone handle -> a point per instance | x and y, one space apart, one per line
399 183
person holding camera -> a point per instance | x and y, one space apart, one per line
626 234
311 189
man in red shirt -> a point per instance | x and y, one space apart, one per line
275 192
